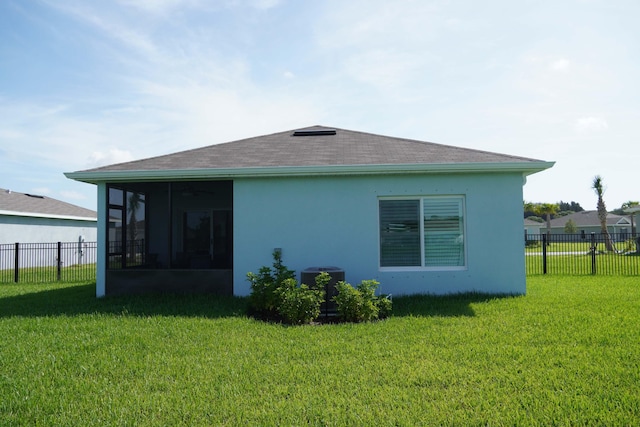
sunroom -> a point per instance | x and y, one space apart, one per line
169 237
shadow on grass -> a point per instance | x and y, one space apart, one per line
73 300
79 299
441 305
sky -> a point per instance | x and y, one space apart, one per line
90 83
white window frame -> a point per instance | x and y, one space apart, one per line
422 266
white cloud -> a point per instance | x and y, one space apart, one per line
591 124
265 4
112 155
72 195
42 190
561 64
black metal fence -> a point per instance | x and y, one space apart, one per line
572 254
576 254
48 262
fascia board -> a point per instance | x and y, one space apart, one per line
46 215
284 171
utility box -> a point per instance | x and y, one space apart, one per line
308 277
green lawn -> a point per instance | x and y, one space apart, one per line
566 354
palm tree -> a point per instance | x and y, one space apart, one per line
546 210
133 205
598 186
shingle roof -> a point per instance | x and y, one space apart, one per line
530 223
345 147
13 202
586 219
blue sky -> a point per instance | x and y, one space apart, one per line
89 83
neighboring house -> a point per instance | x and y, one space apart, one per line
30 218
410 214
533 229
588 222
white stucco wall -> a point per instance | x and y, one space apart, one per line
333 221
30 229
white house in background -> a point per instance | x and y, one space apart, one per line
533 228
587 222
30 218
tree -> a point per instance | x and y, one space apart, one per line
543 209
598 187
572 206
570 227
133 205
630 208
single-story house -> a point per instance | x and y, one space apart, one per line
532 229
587 222
411 214
32 218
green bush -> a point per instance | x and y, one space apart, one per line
360 304
276 295
263 301
384 306
298 304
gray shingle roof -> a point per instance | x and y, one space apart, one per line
586 219
23 203
345 147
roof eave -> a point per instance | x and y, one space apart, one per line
94 177
49 216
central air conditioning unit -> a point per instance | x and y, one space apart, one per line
308 277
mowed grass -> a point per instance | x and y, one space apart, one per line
567 353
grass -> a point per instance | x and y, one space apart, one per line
565 354
578 264
73 273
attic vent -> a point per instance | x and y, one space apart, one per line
314 132
34 195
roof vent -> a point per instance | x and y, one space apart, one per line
34 195
314 132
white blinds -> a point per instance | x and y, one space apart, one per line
435 241
443 232
399 233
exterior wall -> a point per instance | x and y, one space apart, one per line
24 229
333 221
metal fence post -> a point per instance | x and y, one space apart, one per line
59 261
593 253
16 263
544 254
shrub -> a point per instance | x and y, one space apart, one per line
360 304
298 304
385 306
263 301
276 295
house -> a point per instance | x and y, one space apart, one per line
31 218
410 214
587 222
532 229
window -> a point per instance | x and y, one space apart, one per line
126 229
425 232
